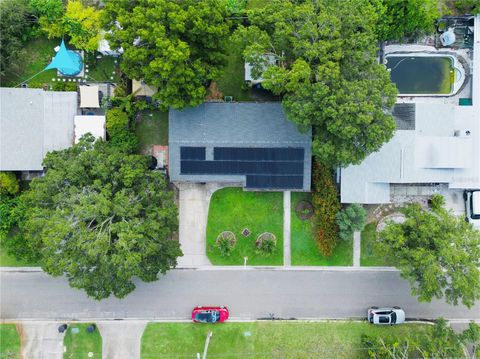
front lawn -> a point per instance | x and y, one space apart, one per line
152 129
9 341
304 249
79 345
267 339
36 55
232 209
369 255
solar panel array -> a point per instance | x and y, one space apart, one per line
264 168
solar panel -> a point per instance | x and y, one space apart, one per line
276 168
258 154
192 153
279 182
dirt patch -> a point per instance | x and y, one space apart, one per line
228 235
21 334
304 210
213 92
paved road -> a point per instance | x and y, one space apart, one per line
249 294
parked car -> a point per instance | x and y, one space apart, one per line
387 316
210 314
472 207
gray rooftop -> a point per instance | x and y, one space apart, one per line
32 123
250 125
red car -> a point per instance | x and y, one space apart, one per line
209 314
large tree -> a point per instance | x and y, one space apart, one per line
406 18
176 46
14 28
101 218
437 252
327 72
81 23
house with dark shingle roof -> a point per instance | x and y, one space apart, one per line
251 144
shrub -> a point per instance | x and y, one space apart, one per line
117 122
351 219
64 86
8 183
125 141
266 244
326 204
225 243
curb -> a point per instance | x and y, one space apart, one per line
21 269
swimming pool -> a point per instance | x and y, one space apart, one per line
421 74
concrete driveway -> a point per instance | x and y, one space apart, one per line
194 200
41 340
121 339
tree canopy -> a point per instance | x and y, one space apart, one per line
406 18
100 218
176 46
81 23
437 252
326 71
14 27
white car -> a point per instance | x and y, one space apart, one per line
472 207
385 316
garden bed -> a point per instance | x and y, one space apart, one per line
304 249
268 339
232 209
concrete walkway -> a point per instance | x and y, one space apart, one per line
193 214
286 229
41 340
356 248
121 339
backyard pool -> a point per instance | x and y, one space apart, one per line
424 74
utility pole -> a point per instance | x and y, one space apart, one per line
207 342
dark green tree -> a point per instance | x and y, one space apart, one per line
351 219
14 29
327 72
399 19
101 218
437 252
176 46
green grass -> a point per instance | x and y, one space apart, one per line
80 344
232 79
369 255
7 260
9 341
152 128
100 70
266 340
232 209
304 248
37 54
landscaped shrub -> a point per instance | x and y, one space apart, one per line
266 243
8 183
64 86
117 122
351 219
225 243
326 204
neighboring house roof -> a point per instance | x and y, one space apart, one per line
140 88
442 145
249 143
32 123
89 96
89 124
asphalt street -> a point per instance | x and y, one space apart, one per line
249 294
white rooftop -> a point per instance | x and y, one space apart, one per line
89 96
89 124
